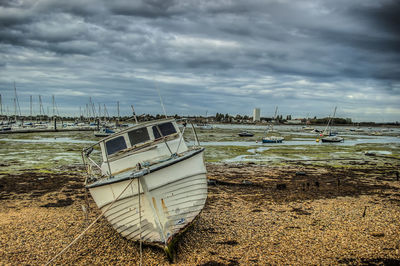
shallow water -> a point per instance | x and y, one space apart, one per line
300 141
47 150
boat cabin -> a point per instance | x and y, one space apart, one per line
140 144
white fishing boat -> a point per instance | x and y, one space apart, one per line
148 183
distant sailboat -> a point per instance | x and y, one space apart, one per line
272 136
103 132
245 134
332 137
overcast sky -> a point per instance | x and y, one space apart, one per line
306 57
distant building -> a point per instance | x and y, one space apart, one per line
294 122
256 114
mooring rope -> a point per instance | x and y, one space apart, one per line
140 225
84 231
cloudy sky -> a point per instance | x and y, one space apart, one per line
305 56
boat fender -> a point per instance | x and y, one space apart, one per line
88 151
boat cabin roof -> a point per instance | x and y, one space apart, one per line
139 135
141 125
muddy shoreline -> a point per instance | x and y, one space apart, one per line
255 214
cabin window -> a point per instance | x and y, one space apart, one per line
115 145
138 136
166 129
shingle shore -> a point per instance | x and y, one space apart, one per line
254 215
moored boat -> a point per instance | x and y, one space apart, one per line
332 138
272 139
103 132
245 134
272 136
149 184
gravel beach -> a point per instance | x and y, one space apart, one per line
255 214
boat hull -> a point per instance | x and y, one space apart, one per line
272 140
156 206
246 134
330 140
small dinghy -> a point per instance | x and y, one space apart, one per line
149 185
245 134
332 138
103 132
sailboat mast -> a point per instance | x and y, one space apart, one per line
30 110
161 101
41 106
1 106
117 121
276 111
329 121
53 101
134 114
15 110
16 100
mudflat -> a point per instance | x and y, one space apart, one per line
255 214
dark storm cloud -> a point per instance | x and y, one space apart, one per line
384 15
148 9
299 55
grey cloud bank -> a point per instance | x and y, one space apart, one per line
222 56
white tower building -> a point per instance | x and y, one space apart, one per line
256 114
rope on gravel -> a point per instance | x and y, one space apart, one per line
84 231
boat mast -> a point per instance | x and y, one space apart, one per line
15 110
276 111
30 110
105 111
53 101
161 101
329 121
117 122
93 108
134 114
1 107
41 106
16 100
